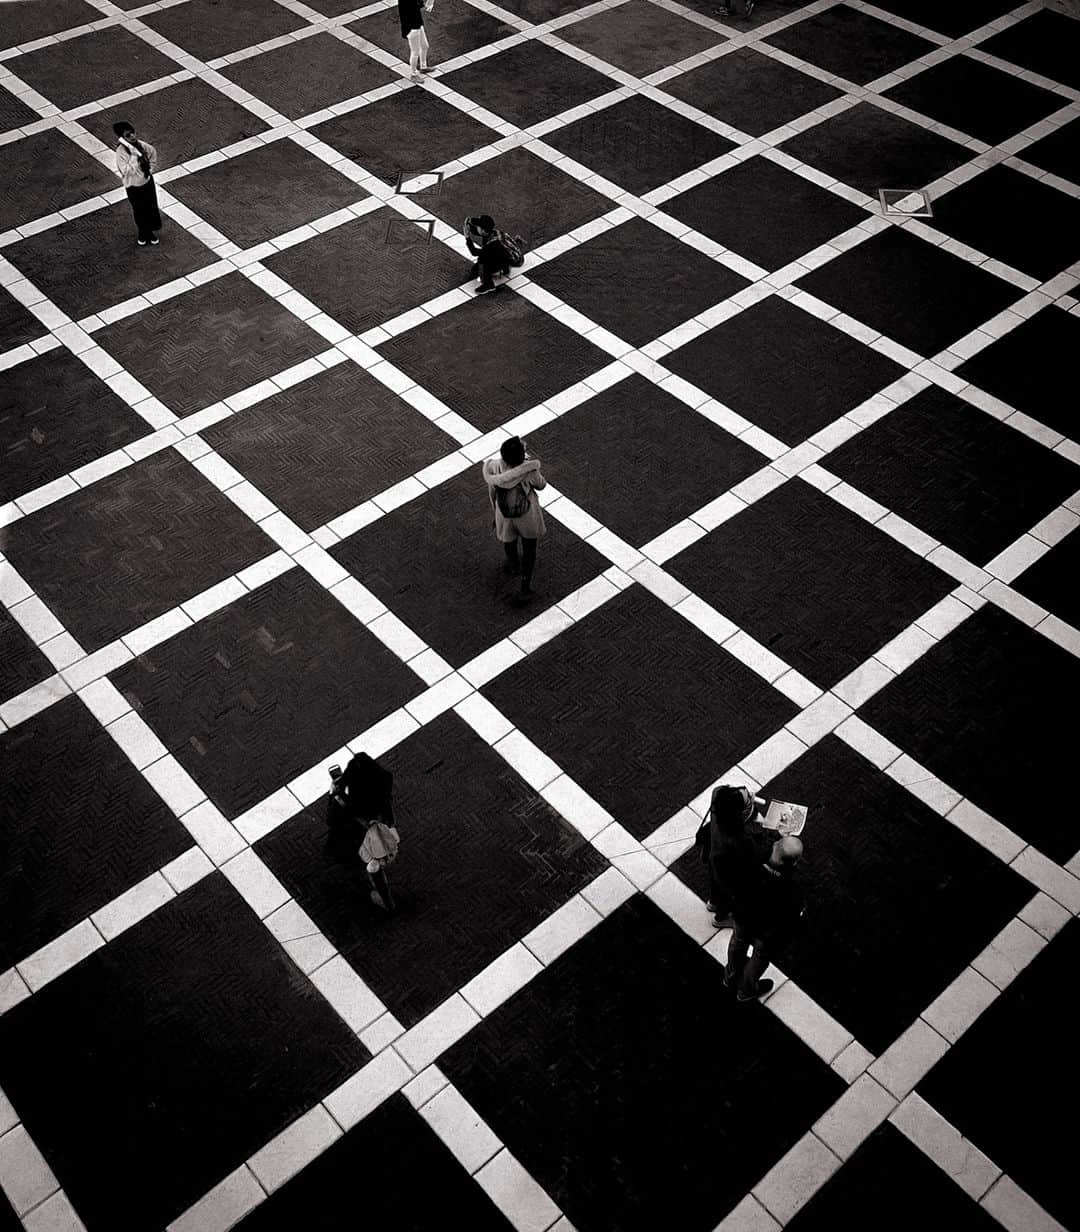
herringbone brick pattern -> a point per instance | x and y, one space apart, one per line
21 663
45 173
208 29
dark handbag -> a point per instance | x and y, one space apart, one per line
703 840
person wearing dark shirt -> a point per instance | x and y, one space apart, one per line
363 794
487 246
734 846
411 15
765 918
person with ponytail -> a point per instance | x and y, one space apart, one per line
136 162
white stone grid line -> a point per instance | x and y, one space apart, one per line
579 14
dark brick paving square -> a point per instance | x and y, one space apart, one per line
1058 153
639 37
751 92
870 148
209 343
794 374
529 83
637 281
93 65
254 196
1046 43
1008 215
981 709
851 44
1051 581
362 280
395 1144
892 1186
14 113
181 122
636 438
131 546
633 675
462 899
1016 1118
22 665
624 1127
17 324
436 563
827 564
332 8
954 19
327 444
885 877
979 100
93 262
409 131
912 291
639 144
255 694
309 75
208 29
452 31
956 473
55 416
45 173
1030 366
538 11
22 23
78 826
197 1042
442 356
764 212
524 193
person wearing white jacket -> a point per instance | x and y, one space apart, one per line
513 480
136 162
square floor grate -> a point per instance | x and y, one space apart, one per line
905 203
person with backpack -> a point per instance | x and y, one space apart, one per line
136 162
360 820
495 251
732 848
513 479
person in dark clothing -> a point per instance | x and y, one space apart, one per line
765 918
489 248
359 797
410 13
735 848
136 162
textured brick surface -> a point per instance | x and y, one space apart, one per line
342 429
990 483
197 1040
78 826
635 676
1030 1025
619 1130
263 689
997 669
850 43
14 113
45 173
93 262
208 29
1051 581
21 663
959 17
134 545
21 23
436 563
55 416
639 37
1047 43
483 860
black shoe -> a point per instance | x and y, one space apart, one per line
764 987
749 8
512 567
485 287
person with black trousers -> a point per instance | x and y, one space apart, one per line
765 919
732 847
360 796
136 162
495 252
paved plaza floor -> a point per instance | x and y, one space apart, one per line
813 453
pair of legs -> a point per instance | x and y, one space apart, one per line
527 563
491 260
381 894
728 8
144 207
418 52
744 973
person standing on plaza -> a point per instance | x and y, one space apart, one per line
513 479
136 162
411 14
360 819
726 843
765 919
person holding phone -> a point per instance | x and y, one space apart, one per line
136 162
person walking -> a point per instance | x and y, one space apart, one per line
732 848
136 162
411 14
360 818
513 479
765 919
495 251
